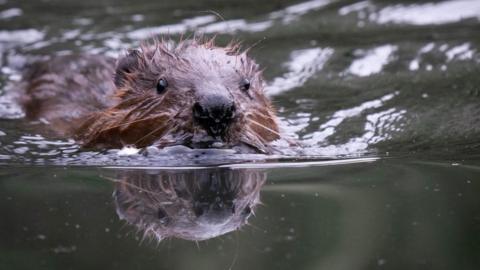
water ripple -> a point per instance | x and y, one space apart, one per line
10 13
372 61
430 13
329 128
302 65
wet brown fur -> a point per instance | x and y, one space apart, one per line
125 109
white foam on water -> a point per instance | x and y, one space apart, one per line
295 124
460 52
128 151
179 28
70 34
354 7
82 21
415 63
233 26
199 20
207 24
427 48
10 13
137 18
327 129
21 36
41 142
293 12
9 107
303 64
430 13
286 15
373 61
379 127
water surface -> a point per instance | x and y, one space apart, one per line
393 214
383 96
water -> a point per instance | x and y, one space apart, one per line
393 214
383 96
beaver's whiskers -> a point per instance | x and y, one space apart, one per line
125 124
263 126
152 132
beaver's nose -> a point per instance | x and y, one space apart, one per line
216 212
214 114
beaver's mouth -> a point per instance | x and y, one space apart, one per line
206 141
198 140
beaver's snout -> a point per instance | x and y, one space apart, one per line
215 114
215 204
215 212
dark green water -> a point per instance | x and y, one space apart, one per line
393 84
387 214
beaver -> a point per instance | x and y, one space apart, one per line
187 204
189 92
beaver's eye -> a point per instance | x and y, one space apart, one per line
245 85
162 86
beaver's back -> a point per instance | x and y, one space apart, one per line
66 89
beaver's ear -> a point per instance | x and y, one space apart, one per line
125 65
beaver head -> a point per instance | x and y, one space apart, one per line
192 93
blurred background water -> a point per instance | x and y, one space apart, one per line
393 84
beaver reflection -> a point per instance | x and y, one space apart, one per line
188 204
